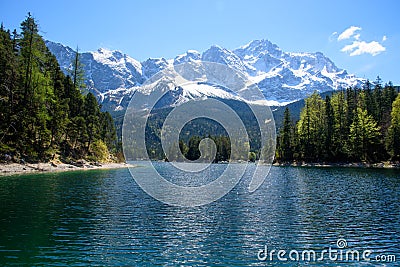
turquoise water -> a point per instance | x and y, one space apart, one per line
102 218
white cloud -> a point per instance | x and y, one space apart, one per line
333 36
348 33
360 47
356 46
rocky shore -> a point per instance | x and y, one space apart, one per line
19 168
379 165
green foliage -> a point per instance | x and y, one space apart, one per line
393 137
285 147
310 128
349 126
42 111
364 136
252 156
100 151
77 73
340 129
107 130
191 151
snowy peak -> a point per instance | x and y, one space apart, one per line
153 65
64 54
264 56
221 55
258 48
117 59
315 62
189 56
281 76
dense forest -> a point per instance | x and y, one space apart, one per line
352 125
196 130
44 113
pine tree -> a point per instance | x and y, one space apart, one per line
91 114
340 135
393 137
310 128
352 103
183 147
285 146
328 129
389 95
193 151
58 106
42 111
369 99
77 137
378 100
364 136
9 91
37 92
77 72
28 44
108 133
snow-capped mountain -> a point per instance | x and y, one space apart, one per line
282 77
105 70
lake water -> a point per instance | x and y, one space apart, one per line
103 218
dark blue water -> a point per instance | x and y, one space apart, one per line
102 218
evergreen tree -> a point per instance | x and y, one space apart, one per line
183 147
352 103
77 137
340 135
9 91
369 99
77 72
329 129
58 107
35 135
108 133
285 140
193 151
389 95
92 117
393 137
378 100
224 149
310 128
42 111
364 136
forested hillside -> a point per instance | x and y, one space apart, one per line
354 125
43 113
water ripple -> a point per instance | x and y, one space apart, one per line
102 218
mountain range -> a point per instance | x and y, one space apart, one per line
283 77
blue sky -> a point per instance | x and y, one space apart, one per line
144 29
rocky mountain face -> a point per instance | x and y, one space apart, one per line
283 77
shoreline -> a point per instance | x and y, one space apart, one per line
379 165
9 169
